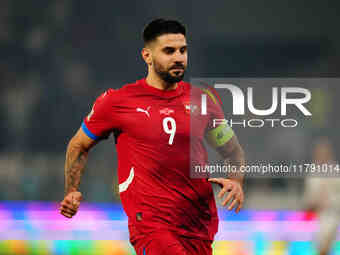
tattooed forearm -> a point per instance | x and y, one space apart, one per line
76 159
234 157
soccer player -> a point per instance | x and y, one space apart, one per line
168 211
322 196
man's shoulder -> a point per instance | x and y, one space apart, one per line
125 90
192 89
194 86
130 87
200 88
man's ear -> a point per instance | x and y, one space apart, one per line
147 56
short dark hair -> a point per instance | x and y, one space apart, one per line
160 27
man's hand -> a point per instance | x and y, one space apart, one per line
235 190
69 206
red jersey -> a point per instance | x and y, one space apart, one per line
154 154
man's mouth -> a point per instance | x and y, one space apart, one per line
177 71
177 68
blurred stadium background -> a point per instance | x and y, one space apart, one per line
57 56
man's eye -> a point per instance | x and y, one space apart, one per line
168 50
184 49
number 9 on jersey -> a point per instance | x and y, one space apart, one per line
172 130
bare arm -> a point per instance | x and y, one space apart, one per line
233 155
76 158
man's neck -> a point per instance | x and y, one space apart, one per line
155 81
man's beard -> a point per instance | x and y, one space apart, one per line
165 74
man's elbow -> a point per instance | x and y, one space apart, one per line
80 141
75 144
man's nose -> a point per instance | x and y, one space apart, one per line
179 57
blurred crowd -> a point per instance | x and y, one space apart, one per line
45 91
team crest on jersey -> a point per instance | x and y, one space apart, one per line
190 108
166 111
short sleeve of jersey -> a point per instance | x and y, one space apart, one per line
214 109
102 119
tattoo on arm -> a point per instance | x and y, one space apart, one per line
76 159
233 154
236 159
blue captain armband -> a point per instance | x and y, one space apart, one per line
219 136
88 132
